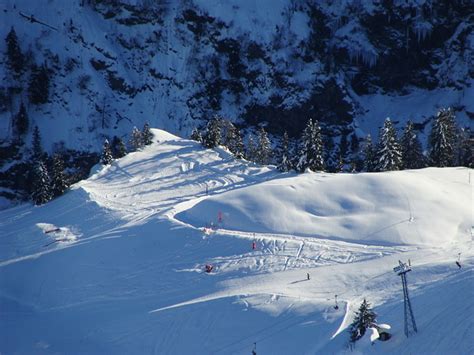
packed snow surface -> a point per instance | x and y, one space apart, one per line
116 265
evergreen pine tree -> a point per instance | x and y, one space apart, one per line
466 148
227 133
370 162
212 137
311 155
106 157
442 139
147 135
118 148
412 154
15 58
37 153
38 87
196 135
251 151
58 178
233 141
238 146
364 317
21 121
389 152
136 139
41 184
294 149
284 158
228 130
264 148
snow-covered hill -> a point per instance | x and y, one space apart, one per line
116 265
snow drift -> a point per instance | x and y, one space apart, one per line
430 206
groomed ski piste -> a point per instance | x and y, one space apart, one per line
117 264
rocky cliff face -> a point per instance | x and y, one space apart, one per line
116 64
349 64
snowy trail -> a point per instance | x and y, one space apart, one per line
280 252
215 169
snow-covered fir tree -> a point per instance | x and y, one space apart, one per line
311 154
284 158
412 153
294 149
251 151
146 134
264 148
389 152
239 149
212 136
21 121
233 141
15 58
370 158
118 148
442 139
227 133
342 152
41 184
363 319
136 139
106 157
59 182
196 135
466 148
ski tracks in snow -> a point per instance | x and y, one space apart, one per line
282 253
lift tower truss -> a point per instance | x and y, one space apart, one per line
410 324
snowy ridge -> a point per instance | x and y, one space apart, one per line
131 280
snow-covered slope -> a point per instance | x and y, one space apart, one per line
116 264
